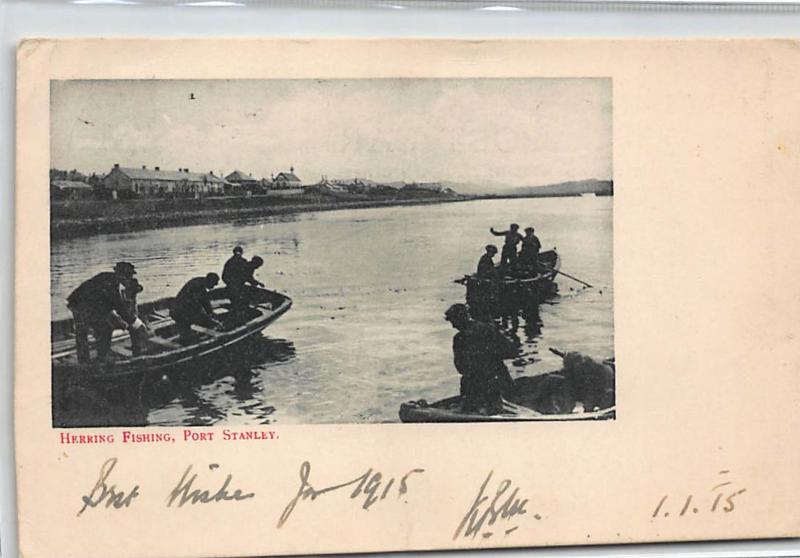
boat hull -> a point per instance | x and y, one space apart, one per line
267 306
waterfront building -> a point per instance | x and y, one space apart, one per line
134 182
286 180
70 190
244 182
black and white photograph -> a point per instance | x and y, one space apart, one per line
331 251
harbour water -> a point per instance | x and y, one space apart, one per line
366 331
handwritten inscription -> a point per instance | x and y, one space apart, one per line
109 496
505 504
369 488
185 493
721 498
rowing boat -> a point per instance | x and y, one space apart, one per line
449 410
515 282
534 399
163 348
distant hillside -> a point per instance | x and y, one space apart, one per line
573 188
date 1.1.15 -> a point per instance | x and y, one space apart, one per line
721 497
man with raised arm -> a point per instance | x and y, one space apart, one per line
512 236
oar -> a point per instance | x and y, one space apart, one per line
566 275
557 352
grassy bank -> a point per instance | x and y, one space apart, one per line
85 217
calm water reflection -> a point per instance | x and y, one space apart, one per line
366 331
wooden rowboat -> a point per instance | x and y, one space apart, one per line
449 410
532 399
162 349
515 283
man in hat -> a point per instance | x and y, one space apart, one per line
512 236
529 255
192 305
238 277
234 268
478 352
486 263
101 304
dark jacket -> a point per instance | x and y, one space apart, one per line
485 266
100 295
479 350
193 298
235 271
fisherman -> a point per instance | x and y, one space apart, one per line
478 353
529 255
192 305
234 267
100 304
138 336
512 236
486 263
588 381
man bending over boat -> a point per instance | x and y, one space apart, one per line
512 236
192 306
478 352
100 304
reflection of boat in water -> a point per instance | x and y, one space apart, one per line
515 283
533 400
162 350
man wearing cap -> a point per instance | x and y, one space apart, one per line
234 268
101 304
478 352
529 255
486 263
512 236
192 305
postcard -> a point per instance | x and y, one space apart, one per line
339 296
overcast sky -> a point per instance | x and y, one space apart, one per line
507 132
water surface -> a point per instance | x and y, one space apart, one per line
369 286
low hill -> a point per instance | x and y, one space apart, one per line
572 188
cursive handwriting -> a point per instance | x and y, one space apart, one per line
101 492
705 503
371 486
184 494
504 505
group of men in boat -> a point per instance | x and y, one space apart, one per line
107 302
526 258
480 347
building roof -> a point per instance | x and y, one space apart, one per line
169 176
239 176
71 185
288 177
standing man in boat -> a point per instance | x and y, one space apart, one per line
478 352
509 254
192 305
101 304
234 268
529 255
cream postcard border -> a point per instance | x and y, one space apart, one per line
706 158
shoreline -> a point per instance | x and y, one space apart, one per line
66 227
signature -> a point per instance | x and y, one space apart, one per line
371 486
505 504
183 493
110 495
705 502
